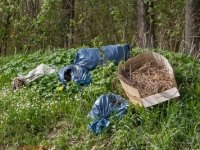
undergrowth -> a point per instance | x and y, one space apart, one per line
40 115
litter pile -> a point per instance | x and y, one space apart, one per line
85 60
74 73
37 72
106 106
103 108
149 79
88 59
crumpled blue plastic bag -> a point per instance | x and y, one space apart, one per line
77 74
101 111
90 58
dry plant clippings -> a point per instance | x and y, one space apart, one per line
149 79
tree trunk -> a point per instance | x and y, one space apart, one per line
3 48
192 27
145 24
5 36
67 31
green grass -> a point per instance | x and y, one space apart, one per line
40 115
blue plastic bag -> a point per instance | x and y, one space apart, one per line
74 73
101 111
90 58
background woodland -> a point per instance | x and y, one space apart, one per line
31 25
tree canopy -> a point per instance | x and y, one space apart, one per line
32 25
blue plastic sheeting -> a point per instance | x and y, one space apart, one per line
76 73
90 58
104 106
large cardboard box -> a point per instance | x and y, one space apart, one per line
133 93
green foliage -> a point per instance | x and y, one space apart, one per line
22 64
29 29
112 21
25 29
169 23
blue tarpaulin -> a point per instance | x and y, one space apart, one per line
90 58
74 73
104 106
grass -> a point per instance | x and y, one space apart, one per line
40 115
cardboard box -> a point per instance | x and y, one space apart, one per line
133 93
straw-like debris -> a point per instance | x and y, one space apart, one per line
149 79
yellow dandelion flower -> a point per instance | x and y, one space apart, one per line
60 88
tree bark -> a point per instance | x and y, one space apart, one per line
32 8
67 31
192 27
5 36
145 24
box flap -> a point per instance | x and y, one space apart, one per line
160 97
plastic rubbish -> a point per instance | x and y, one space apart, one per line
90 58
101 111
37 72
74 73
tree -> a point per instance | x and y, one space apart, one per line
145 24
192 27
68 15
5 22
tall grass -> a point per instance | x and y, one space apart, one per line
40 115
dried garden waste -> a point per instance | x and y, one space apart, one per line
149 79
